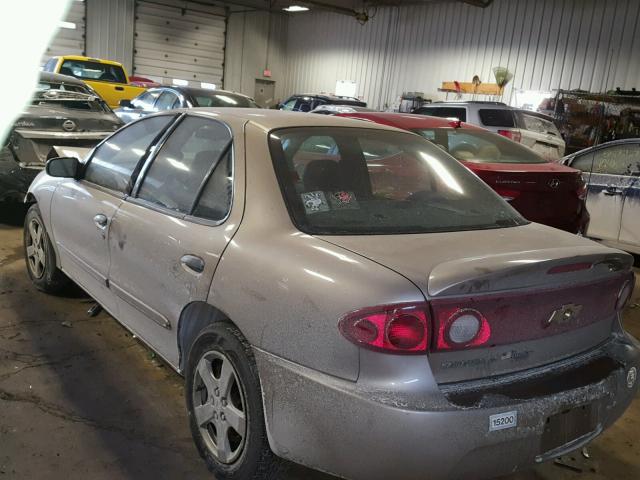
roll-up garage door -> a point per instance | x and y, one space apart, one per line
179 41
69 40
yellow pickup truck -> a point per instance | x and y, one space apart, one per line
109 79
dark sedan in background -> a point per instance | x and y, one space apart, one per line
168 98
66 117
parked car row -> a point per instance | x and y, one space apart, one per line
65 118
386 301
534 130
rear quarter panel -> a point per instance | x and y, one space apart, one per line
286 290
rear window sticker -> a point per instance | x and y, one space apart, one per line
343 200
314 202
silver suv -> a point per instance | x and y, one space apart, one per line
533 130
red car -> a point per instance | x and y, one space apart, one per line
541 191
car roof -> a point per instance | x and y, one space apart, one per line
621 141
327 96
469 102
89 59
58 77
199 91
407 121
273 119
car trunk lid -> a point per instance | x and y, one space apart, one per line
546 193
538 271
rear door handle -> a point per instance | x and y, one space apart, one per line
120 89
101 221
611 191
193 263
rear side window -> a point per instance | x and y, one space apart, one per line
289 104
479 146
583 163
215 201
113 162
494 117
539 125
444 112
93 71
182 164
617 160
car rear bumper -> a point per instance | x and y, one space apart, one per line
357 432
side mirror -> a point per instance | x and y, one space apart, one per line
126 103
63 167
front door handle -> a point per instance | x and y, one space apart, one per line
611 190
120 89
101 221
193 263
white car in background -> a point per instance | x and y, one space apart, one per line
612 174
533 130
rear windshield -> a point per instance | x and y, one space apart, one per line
223 100
479 146
69 99
444 112
492 117
93 71
367 181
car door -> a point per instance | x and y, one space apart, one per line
81 210
608 180
167 238
630 222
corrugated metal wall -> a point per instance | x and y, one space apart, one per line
70 37
110 30
547 44
252 46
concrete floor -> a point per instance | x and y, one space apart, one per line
80 398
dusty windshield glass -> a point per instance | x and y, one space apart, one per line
479 146
366 181
223 100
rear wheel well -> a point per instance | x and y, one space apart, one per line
194 318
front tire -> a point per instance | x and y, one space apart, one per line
40 256
224 402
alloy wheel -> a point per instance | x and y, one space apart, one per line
36 254
219 406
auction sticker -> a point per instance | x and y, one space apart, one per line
500 421
314 202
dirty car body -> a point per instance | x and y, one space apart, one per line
65 117
404 319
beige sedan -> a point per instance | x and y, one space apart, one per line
340 294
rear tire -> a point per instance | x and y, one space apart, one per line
224 402
40 256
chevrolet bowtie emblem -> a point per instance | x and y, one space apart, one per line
564 314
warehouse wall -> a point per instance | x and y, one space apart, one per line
110 30
547 44
255 41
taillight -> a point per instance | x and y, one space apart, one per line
582 190
461 328
625 293
402 328
511 135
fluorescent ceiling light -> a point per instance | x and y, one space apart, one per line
181 83
210 86
296 8
69 25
